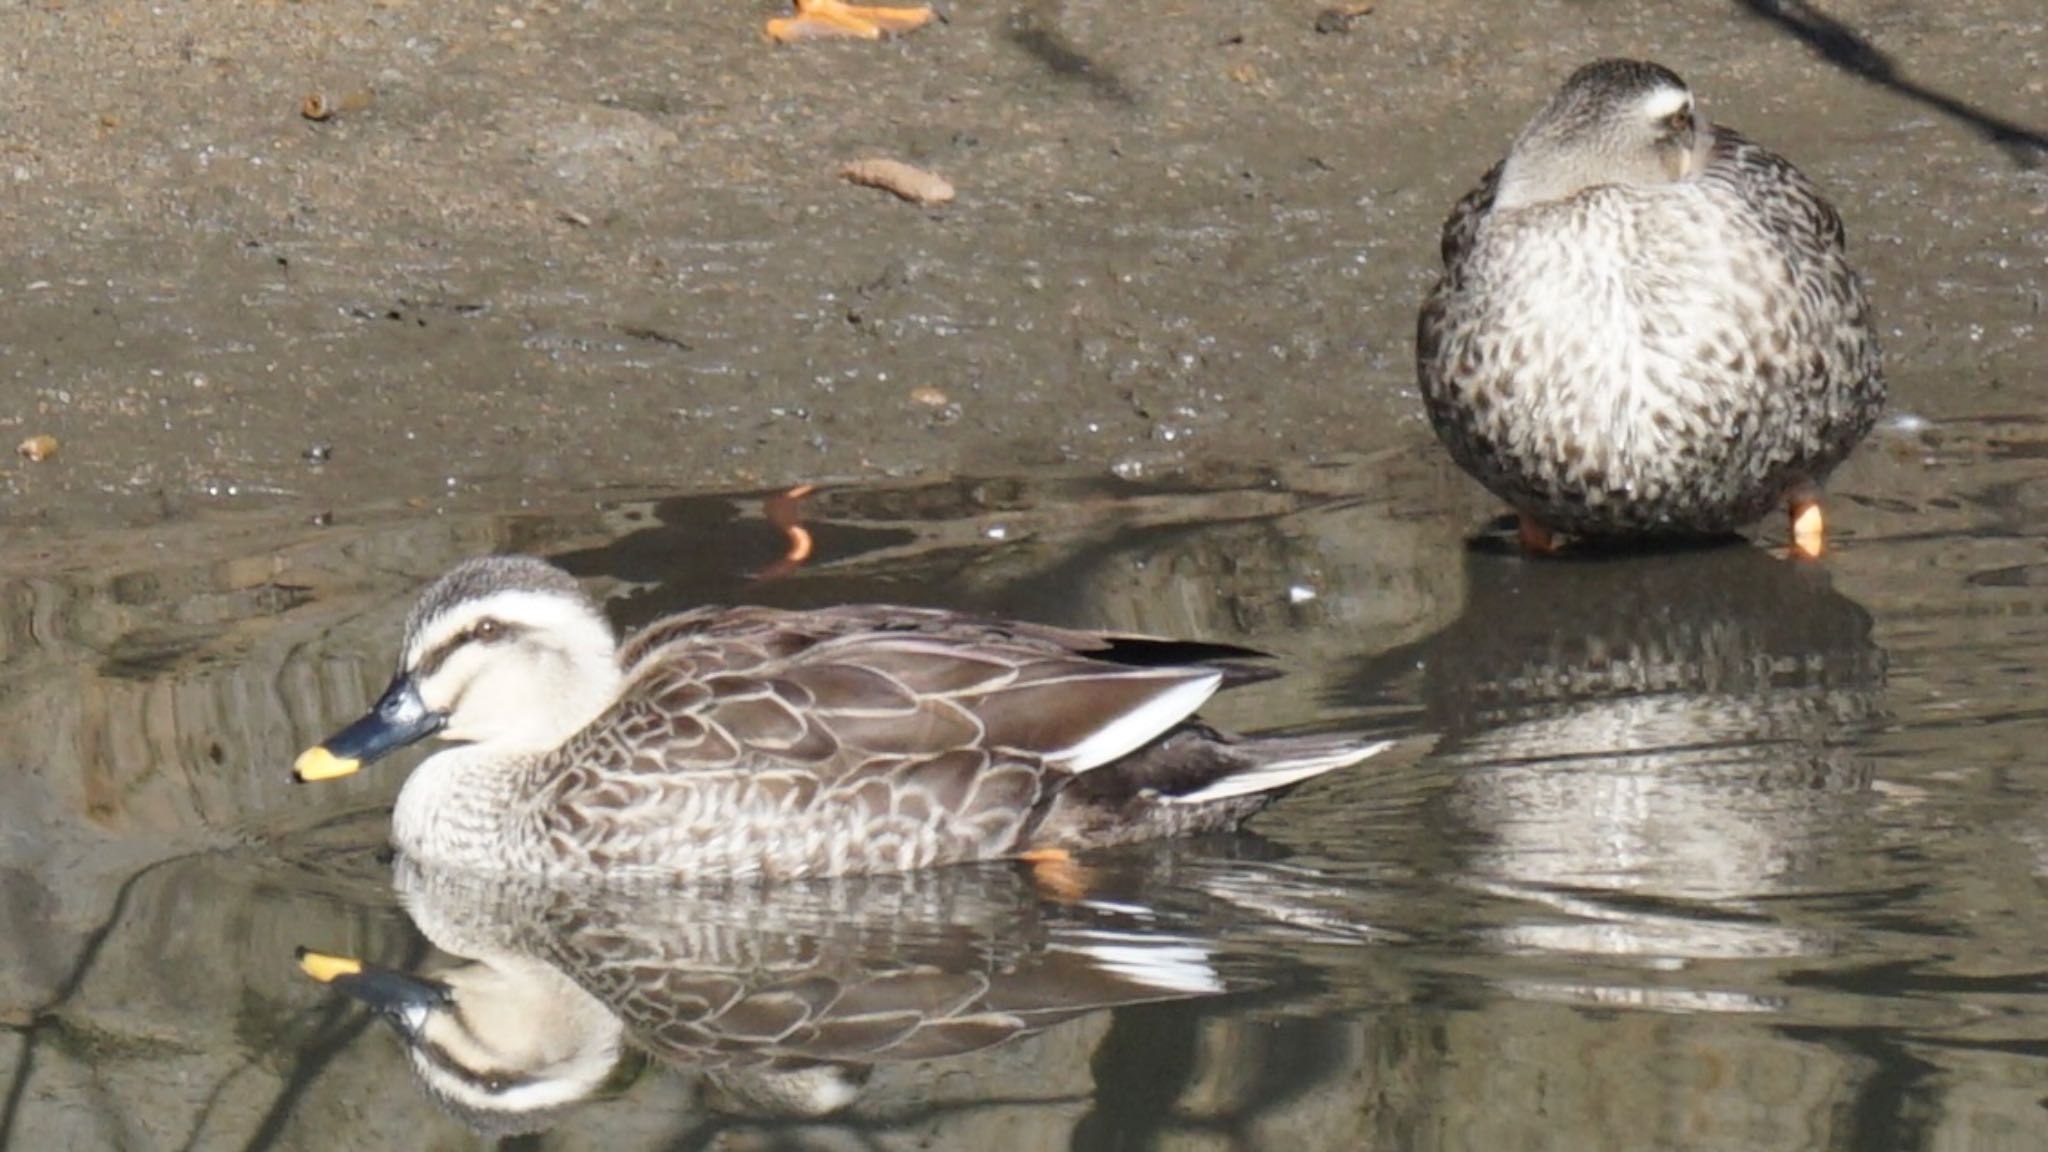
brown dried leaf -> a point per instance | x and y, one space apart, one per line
913 184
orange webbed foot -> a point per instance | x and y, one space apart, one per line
1534 538
817 19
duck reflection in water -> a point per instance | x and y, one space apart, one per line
1651 744
784 996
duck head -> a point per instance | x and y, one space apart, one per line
503 651
1614 122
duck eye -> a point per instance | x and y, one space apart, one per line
486 630
1680 121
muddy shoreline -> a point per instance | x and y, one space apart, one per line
549 247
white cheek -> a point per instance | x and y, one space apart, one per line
449 683
503 691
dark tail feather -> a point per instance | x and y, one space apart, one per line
1272 764
1194 780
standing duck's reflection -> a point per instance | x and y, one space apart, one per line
782 996
1650 744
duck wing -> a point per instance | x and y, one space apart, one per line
1789 203
835 704
748 636
741 747
1461 227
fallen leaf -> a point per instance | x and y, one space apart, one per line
913 184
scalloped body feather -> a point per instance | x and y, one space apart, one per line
761 742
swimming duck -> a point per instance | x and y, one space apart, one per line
764 742
1646 325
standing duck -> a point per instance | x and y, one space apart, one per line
1647 326
759 742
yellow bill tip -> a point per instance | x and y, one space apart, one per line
327 969
317 763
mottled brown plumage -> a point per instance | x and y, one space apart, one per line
1646 326
754 741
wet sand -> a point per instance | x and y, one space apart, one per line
548 246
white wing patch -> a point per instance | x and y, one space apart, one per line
1134 729
1279 774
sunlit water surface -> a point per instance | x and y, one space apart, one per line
1700 850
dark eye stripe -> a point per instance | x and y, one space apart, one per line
439 654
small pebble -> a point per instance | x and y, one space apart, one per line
929 397
37 449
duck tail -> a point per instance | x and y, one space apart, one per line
1195 779
1274 764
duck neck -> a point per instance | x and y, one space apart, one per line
460 807
572 699
463 806
1526 180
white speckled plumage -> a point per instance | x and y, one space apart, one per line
1646 326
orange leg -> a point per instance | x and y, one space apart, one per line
1809 530
1057 874
1535 539
817 19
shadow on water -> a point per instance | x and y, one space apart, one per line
1705 851
993 545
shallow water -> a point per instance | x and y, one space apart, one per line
1693 852
1697 850
1700 849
